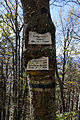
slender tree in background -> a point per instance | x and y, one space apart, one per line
41 83
10 54
66 72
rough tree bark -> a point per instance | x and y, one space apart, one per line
41 82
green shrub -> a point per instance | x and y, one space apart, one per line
66 116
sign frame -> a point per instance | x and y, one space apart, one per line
42 39
38 64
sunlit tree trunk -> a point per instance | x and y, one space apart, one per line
16 65
41 82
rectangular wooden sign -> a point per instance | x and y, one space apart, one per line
38 64
36 38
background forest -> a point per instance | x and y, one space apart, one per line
14 97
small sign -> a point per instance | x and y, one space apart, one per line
35 38
38 64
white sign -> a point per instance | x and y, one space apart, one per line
38 64
35 38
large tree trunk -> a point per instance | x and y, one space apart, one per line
41 82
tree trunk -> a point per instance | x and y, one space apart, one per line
37 21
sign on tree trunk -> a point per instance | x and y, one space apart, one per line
36 38
38 64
